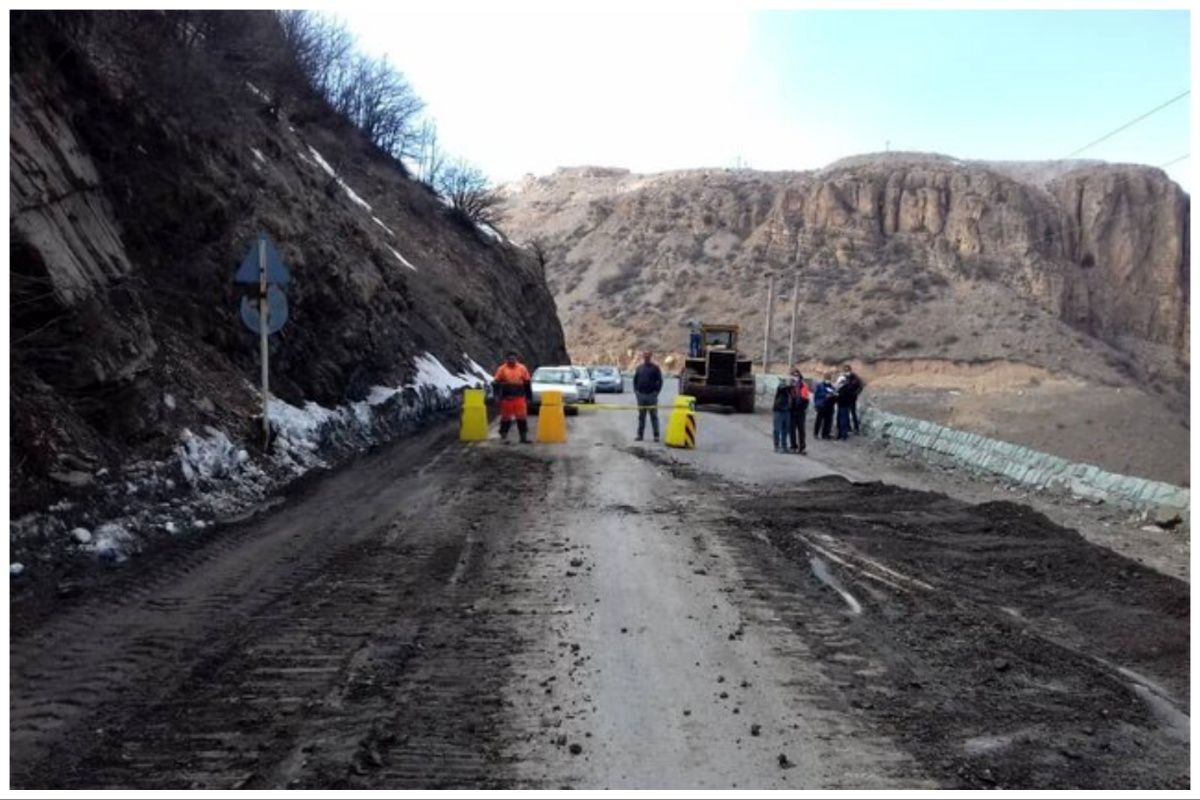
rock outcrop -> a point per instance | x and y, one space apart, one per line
904 244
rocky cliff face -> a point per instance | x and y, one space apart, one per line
1079 266
144 161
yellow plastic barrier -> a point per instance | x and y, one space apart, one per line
681 426
474 424
552 420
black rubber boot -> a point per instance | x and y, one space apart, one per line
505 424
523 429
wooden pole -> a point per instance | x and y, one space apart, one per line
795 308
767 328
262 327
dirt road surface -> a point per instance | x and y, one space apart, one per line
614 614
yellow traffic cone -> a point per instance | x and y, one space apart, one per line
552 419
681 426
474 424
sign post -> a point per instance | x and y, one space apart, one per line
264 352
262 265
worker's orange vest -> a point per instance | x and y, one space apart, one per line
512 379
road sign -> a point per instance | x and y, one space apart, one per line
248 272
277 311
262 265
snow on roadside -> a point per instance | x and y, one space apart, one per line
403 260
478 370
211 478
208 457
380 223
433 376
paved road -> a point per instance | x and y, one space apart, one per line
605 613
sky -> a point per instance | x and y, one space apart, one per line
521 90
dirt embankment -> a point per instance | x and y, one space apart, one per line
147 153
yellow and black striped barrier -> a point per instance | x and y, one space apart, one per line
681 426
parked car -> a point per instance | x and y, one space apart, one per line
608 379
555 379
587 388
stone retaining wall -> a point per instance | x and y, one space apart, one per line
976 453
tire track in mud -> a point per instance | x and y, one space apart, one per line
359 662
984 632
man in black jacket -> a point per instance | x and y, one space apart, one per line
647 383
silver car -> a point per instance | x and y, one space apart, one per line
587 387
608 379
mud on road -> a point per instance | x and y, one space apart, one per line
997 648
331 645
600 614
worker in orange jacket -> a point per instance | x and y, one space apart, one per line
512 383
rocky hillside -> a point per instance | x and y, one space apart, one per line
148 149
1079 266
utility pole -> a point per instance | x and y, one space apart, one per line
767 330
795 308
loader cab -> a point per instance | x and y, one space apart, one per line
724 338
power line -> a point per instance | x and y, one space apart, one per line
1131 123
1175 160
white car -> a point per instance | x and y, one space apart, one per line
556 379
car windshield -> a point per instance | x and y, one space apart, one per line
605 372
553 376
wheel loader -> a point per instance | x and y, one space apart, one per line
719 375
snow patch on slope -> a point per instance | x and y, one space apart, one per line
402 259
323 164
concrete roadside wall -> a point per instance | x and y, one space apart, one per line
979 454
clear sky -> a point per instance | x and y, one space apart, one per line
517 89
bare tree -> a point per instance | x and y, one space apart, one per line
469 192
319 45
432 160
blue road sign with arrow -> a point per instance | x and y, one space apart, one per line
276 272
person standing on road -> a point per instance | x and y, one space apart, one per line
851 387
781 415
513 383
800 398
824 398
647 383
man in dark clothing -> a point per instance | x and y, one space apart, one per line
647 383
781 415
800 398
824 399
851 388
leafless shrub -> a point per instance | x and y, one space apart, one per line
469 192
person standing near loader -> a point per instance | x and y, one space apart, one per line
647 383
781 414
851 387
512 382
824 398
800 399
